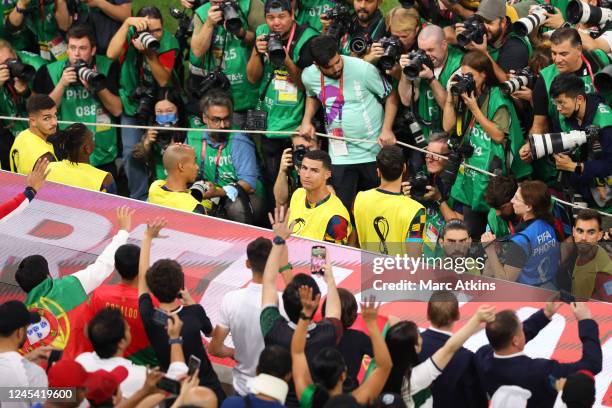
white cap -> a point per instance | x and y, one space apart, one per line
510 396
271 386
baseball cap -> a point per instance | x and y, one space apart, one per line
14 315
67 374
102 385
491 10
389 400
277 6
579 388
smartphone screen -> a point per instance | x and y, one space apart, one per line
318 258
194 364
169 385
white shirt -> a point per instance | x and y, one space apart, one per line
17 371
421 377
239 313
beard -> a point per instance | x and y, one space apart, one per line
364 18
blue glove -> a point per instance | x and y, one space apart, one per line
231 192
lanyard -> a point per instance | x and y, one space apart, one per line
288 47
339 99
588 65
511 227
204 146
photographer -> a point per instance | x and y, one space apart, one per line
16 72
105 18
588 171
568 57
77 143
386 220
504 49
477 111
288 180
46 20
501 220
432 79
228 163
147 52
439 206
356 111
85 89
531 255
150 150
312 12
219 44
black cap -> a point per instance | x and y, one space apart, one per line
342 401
579 389
14 315
277 6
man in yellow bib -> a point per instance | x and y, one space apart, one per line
77 145
386 220
31 144
318 213
181 165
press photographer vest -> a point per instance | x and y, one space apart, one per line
26 150
428 108
310 11
283 101
498 226
470 185
392 213
12 104
133 74
312 222
77 175
42 23
179 200
82 105
235 58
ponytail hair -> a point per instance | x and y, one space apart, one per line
70 141
327 369
535 194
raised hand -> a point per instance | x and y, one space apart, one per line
154 227
175 324
309 305
279 222
485 314
124 217
37 177
369 310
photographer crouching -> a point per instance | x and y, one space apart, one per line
150 150
17 70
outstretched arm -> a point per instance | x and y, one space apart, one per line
151 232
34 182
299 364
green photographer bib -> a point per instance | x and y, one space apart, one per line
82 105
228 52
309 12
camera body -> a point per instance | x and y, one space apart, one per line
229 8
256 119
525 77
524 26
276 50
18 69
551 143
359 44
392 51
185 26
146 98
463 83
474 31
418 59
340 16
147 39
213 80
86 74
418 185
458 152
297 155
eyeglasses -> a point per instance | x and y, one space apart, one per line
435 158
217 120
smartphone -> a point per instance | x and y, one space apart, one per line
169 385
318 258
160 317
566 297
194 364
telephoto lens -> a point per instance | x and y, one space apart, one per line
525 77
231 16
579 12
18 69
603 79
536 17
392 52
552 143
148 41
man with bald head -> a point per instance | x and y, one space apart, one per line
182 168
430 84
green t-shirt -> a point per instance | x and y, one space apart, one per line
360 114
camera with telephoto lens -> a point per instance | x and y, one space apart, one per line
552 143
86 74
18 69
418 59
198 189
340 17
359 44
463 83
276 50
231 17
185 25
145 96
524 26
579 12
297 155
418 185
256 119
392 51
525 77
148 41
458 153
474 31
603 79
213 80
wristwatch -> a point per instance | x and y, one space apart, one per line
20 10
278 240
178 340
304 317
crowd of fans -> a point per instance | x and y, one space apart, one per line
304 109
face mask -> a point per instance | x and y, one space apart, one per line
166 118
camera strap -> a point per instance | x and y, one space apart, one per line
211 55
588 65
290 40
339 100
